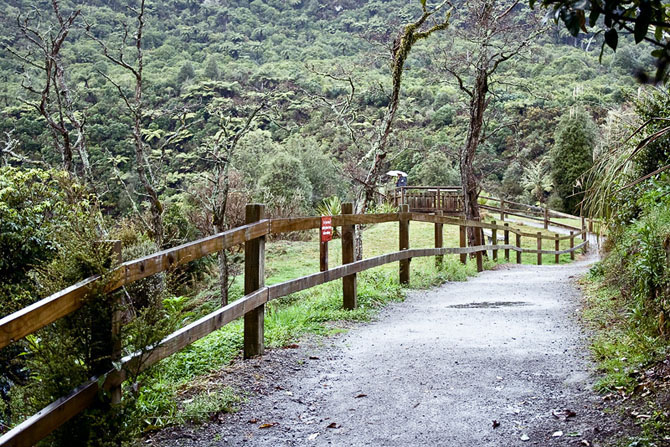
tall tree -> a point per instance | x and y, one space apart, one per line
135 106
217 154
572 156
494 33
400 51
49 92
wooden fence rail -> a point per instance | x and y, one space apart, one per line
30 319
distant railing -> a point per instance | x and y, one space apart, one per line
252 306
429 199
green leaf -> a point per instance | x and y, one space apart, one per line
612 38
642 24
593 17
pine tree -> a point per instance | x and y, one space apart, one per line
572 156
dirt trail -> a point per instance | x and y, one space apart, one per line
435 370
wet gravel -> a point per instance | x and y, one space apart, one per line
435 370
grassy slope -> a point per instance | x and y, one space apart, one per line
305 312
624 352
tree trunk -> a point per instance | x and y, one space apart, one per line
469 180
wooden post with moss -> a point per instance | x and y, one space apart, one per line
404 244
494 237
462 243
506 242
349 291
439 238
539 248
254 279
572 245
518 244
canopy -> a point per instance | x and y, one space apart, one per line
396 173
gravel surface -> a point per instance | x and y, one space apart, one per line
437 369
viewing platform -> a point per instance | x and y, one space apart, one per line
429 199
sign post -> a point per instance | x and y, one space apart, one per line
326 235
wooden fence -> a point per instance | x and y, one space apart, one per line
429 199
38 315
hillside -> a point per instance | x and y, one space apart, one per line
200 56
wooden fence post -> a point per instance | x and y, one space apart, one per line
502 210
404 245
557 244
539 247
546 217
439 240
323 256
254 279
438 205
349 291
583 223
590 225
518 244
506 242
572 245
117 317
463 237
494 236
479 256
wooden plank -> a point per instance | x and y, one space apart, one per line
278 226
254 279
364 219
349 288
46 311
41 424
404 244
29 319
198 329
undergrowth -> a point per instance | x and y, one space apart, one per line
624 347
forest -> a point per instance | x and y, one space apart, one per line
155 123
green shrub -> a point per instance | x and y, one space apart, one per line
284 178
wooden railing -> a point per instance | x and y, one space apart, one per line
429 199
30 319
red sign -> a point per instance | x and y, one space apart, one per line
326 228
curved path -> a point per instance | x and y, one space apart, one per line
435 370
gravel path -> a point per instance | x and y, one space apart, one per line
435 370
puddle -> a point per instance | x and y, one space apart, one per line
490 305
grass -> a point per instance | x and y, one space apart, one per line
620 347
623 349
307 312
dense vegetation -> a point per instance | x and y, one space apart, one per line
278 101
